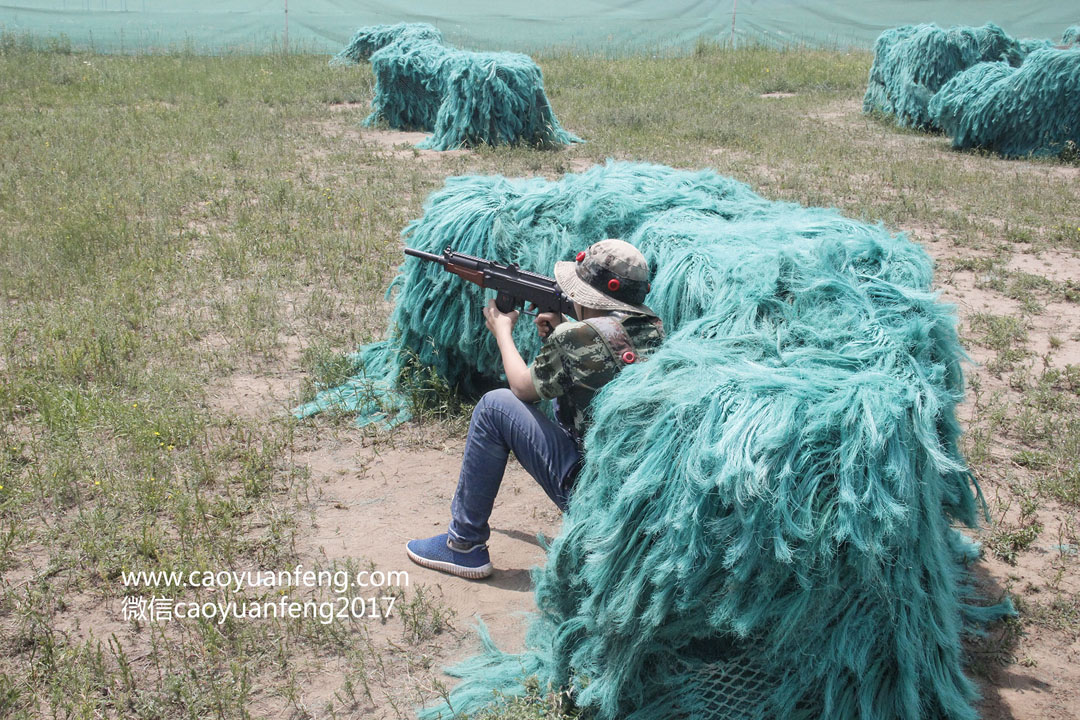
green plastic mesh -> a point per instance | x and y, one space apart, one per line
463 98
1030 110
763 524
589 26
730 689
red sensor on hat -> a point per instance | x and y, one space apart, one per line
581 256
613 284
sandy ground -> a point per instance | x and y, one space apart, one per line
374 500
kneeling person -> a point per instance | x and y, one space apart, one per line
607 283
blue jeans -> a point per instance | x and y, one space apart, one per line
501 423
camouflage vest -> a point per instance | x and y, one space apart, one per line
579 358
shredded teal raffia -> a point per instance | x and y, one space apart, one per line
981 87
372 394
913 62
1030 110
369 40
763 524
463 98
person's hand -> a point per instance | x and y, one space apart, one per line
498 321
546 322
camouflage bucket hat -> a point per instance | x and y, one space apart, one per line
610 275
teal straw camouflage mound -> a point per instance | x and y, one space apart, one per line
494 99
912 62
368 40
963 92
1030 110
463 98
410 85
762 527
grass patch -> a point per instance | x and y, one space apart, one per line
1004 334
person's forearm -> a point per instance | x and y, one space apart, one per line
517 372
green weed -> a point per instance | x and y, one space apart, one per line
423 616
1005 335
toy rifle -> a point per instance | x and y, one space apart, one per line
513 286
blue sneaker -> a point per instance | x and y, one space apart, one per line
437 554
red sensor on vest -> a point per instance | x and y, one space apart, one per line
628 357
613 285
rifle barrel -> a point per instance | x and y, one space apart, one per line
431 257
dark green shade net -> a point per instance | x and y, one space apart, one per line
980 86
763 524
463 98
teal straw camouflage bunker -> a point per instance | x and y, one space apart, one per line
1030 110
463 98
913 62
980 86
764 523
